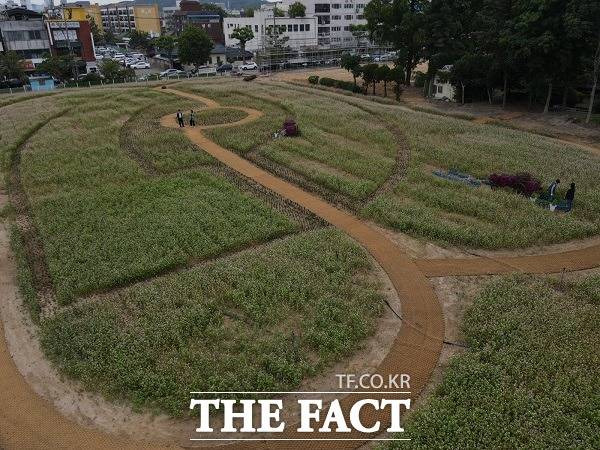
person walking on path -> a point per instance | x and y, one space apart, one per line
180 118
570 196
192 118
552 189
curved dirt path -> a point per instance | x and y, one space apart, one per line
580 259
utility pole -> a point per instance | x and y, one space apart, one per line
66 31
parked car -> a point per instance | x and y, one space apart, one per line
119 56
140 65
249 66
225 68
172 73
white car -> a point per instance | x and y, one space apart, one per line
171 72
140 65
249 66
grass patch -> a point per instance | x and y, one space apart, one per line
219 116
529 378
167 150
262 320
116 234
24 275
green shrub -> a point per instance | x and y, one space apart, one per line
330 82
313 79
339 84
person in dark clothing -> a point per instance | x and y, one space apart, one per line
180 118
552 189
192 118
570 196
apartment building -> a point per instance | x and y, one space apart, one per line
334 19
83 10
24 32
126 16
301 32
192 12
73 34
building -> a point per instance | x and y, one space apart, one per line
192 12
84 11
442 89
334 19
301 32
24 32
126 16
75 36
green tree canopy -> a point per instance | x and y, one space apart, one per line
194 46
110 69
243 35
166 44
297 9
11 66
399 23
351 63
277 12
60 67
139 40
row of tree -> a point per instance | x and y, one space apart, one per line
374 73
522 45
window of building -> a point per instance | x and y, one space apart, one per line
323 30
301 27
323 20
307 27
256 28
348 6
348 17
289 28
336 28
336 39
321 7
336 17
336 6
346 28
360 16
296 27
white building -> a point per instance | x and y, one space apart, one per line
442 89
301 31
334 18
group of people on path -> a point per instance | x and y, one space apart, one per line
569 196
180 120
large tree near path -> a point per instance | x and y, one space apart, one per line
399 23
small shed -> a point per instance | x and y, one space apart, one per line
41 83
442 88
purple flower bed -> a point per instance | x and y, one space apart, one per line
523 183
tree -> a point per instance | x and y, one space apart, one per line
359 32
352 64
243 35
194 46
297 9
397 76
383 74
369 75
110 69
399 23
166 45
11 65
96 33
139 40
249 12
278 12
110 37
60 67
